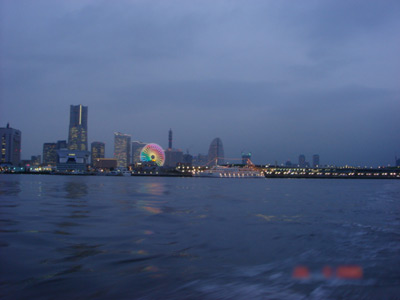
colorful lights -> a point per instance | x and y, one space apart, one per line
153 153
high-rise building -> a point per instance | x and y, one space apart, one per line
137 147
302 161
50 154
98 150
216 152
315 161
170 139
77 137
122 149
10 145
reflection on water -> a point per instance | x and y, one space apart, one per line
9 187
153 188
175 238
156 189
76 189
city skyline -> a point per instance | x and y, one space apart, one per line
125 157
273 78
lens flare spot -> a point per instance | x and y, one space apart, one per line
349 272
301 272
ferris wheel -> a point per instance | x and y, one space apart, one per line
154 153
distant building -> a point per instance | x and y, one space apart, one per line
105 163
315 161
26 162
78 120
246 158
187 159
97 150
72 161
10 145
137 147
50 154
62 144
216 152
36 160
302 161
200 160
122 149
173 157
288 163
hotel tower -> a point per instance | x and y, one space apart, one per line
77 137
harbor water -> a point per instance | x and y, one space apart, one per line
97 237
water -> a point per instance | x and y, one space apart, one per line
81 237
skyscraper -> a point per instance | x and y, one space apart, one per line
122 149
10 145
315 160
137 147
98 150
170 139
77 137
50 154
216 152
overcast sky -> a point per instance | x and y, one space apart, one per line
277 78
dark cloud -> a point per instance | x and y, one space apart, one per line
274 78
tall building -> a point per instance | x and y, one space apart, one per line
137 147
10 145
50 154
302 161
315 161
170 139
216 152
98 150
77 136
122 149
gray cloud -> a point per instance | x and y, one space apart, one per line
275 78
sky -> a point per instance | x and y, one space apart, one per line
275 78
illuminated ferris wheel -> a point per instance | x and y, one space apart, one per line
154 153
